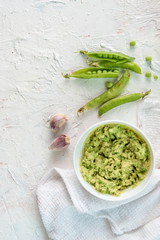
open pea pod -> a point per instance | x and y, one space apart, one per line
127 65
109 56
94 72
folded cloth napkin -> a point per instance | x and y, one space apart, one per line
149 122
69 212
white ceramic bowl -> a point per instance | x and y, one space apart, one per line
129 193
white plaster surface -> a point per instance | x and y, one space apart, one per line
38 41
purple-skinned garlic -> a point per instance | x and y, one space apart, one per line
60 143
57 121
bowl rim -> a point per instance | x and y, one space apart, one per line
108 196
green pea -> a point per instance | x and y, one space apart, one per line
148 59
119 57
104 71
148 74
99 71
132 43
155 77
94 72
89 72
110 55
99 55
105 55
116 71
109 84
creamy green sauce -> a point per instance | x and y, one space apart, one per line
114 158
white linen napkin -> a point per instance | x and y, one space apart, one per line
149 122
69 212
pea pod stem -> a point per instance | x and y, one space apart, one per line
127 65
121 100
107 95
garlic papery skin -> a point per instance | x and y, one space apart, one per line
57 121
60 143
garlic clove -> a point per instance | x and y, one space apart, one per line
57 121
60 143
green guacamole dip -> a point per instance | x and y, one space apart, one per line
114 158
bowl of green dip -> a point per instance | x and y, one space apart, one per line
114 160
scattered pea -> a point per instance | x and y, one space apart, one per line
148 74
109 84
155 77
99 71
132 43
148 59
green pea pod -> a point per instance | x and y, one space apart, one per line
120 100
109 56
107 95
94 72
127 65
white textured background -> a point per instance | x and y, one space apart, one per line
38 39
